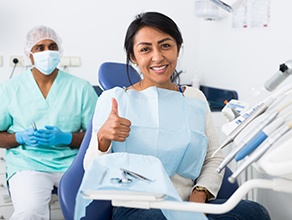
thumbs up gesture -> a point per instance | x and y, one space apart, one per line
115 128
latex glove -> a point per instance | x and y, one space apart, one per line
26 137
52 135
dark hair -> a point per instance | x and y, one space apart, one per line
158 21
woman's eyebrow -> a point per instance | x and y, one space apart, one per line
165 39
159 42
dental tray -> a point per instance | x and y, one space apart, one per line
121 195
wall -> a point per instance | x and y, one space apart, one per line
93 30
242 59
222 56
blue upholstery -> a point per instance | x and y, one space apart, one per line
110 75
70 183
117 74
227 188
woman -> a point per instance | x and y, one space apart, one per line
184 130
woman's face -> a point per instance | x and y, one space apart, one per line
156 54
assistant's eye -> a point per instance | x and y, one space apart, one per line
53 47
38 48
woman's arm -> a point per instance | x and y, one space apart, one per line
208 178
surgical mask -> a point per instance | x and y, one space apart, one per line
46 61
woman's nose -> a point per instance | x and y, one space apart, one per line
157 56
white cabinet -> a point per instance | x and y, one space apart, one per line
6 207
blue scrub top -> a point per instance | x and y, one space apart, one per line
69 106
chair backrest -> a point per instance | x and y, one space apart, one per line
227 188
112 74
70 183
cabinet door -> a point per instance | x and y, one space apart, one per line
6 212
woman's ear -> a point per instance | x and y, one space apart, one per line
133 60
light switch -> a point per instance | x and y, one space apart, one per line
75 61
1 61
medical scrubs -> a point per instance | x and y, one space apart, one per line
69 105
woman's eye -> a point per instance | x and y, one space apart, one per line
145 49
165 45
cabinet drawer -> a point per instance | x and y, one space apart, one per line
4 197
2 152
6 212
3 182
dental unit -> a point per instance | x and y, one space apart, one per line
242 121
260 151
271 120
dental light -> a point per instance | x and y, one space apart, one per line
215 9
227 5
285 70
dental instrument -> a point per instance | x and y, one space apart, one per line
258 139
242 121
260 151
285 70
282 113
136 175
33 124
123 180
246 139
255 113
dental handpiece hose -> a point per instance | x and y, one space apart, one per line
246 139
258 111
258 139
261 150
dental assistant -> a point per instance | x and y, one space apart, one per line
60 106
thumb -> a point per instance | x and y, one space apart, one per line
114 106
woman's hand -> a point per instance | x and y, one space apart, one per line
198 196
115 128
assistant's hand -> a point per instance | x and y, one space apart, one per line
52 135
115 128
26 137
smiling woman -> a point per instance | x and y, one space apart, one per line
155 52
158 118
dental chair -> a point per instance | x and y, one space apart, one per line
113 74
110 75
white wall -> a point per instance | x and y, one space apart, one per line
240 59
224 57
93 30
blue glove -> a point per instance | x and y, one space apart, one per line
26 137
52 135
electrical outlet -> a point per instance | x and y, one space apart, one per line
65 61
16 59
75 61
1 61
